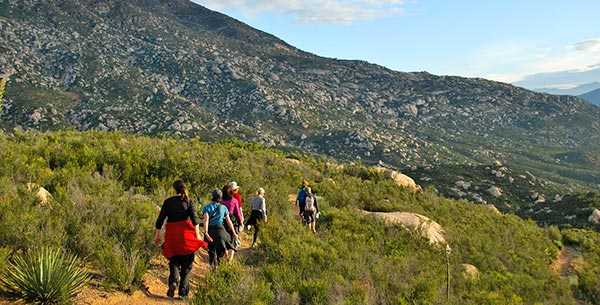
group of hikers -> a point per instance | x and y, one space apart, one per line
308 207
222 221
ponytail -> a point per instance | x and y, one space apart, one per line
181 190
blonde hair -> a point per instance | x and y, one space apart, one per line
260 190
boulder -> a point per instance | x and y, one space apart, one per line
416 222
478 199
457 192
462 184
540 199
595 217
399 178
41 193
492 207
495 191
470 272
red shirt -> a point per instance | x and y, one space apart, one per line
239 198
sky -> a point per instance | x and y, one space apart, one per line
510 40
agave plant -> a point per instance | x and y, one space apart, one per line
43 276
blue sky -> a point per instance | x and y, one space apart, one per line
506 40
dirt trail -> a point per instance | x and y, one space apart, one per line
562 265
154 283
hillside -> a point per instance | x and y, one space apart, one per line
104 190
154 67
592 97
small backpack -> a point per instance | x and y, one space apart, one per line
301 195
309 203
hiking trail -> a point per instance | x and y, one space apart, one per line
562 265
154 282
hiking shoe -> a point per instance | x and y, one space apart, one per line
184 298
171 291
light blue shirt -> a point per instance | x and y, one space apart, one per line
219 215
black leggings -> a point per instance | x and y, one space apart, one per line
255 218
180 267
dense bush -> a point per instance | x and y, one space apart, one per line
586 268
233 285
107 188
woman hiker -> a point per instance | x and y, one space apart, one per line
219 241
182 238
234 214
259 213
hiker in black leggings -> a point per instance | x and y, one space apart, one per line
259 213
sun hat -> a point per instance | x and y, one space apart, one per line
234 185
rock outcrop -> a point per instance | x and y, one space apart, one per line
416 222
399 178
595 217
40 192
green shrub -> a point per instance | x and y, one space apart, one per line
45 276
314 291
231 284
122 266
106 189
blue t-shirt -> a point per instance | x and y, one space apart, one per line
219 215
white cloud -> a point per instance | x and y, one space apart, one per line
342 12
525 62
592 45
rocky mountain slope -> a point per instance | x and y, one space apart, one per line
174 67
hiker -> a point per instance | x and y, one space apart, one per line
259 213
215 217
236 194
234 214
182 237
300 197
311 210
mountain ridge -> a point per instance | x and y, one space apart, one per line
592 96
576 91
160 67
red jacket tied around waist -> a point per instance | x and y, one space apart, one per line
180 239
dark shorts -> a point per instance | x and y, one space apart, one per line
309 216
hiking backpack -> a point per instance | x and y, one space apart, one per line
309 203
